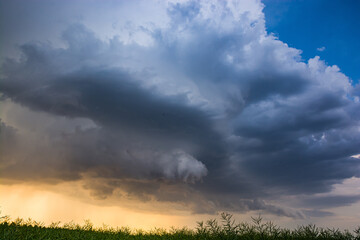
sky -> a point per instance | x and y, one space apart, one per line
328 29
163 113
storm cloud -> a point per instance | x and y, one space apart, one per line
212 112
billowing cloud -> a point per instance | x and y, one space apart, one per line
211 111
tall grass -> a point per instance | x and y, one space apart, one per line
224 229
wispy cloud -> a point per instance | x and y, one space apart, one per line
321 49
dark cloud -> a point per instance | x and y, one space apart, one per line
305 148
214 114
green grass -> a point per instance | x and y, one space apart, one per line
225 229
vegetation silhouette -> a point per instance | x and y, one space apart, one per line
226 229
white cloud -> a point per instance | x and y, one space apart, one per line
321 49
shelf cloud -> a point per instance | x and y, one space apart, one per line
208 110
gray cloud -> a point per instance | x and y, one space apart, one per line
318 213
331 201
213 113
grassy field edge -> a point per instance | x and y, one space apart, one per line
225 228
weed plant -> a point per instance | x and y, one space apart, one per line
225 229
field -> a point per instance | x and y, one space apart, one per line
226 228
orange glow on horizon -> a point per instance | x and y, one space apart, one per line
47 206
69 202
